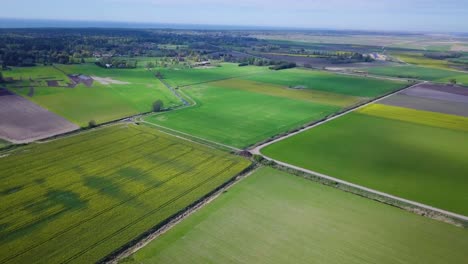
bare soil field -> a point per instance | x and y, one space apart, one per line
426 104
438 95
434 98
23 121
454 89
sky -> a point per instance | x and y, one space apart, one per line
394 15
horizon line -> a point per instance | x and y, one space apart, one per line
198 26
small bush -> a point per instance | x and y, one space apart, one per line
283 66
92 124
258 158
157 106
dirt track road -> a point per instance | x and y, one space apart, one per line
257 150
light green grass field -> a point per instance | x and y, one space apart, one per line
309 95
328 82
273 217
238 117
419 162
100 102
181 77
78 199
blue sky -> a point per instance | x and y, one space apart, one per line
427 15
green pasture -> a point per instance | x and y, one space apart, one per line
412 160
422 73
78 199
310 95
239 117
274 217
135 94
188 76
328 82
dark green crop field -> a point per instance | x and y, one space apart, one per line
239 117
408 153
243 111
182 77
328 82
78 199
273 217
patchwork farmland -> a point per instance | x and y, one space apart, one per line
297 221
186 140
23 121
78 199
121 92
184 77
418 66
243 111
405 151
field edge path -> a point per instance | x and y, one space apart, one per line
257 151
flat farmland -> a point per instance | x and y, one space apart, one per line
422 73
239 116
78 199
182 77
242 111
328 82
23 121
273 217
413 154
114 93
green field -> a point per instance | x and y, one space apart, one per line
182 77
422 73
397 152
273 217
100 102
239 117
78 199
243 111
328 82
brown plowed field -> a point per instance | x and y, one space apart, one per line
22 121
439 98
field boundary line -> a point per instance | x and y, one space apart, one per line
372 191
179 217
223 79
257 151
188 139
174 91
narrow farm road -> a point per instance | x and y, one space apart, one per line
257 151
174 91
324 176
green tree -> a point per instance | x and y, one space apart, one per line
159 75
1 77
453 81
157 106
92 124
